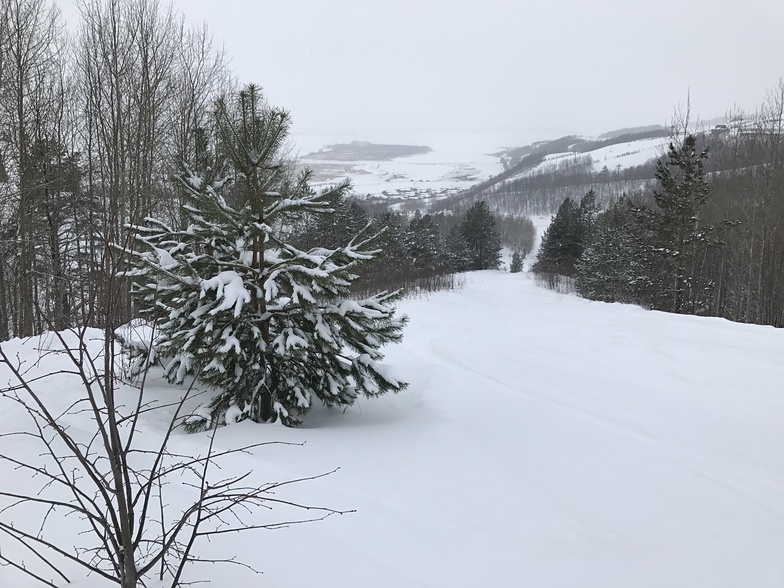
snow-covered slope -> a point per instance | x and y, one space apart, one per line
623 155
459 162
544 441
456 162
613 157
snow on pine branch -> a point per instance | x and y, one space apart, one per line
229 286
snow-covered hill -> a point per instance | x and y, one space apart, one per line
460 162
455 162
544 441
613 157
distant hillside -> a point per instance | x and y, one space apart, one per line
631 131
538 177
365 151
521 158
524 180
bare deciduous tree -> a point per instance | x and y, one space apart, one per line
31 28
113 479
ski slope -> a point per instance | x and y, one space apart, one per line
545 441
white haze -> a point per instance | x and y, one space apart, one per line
541 69
532 70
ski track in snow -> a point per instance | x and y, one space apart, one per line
633 432
545 441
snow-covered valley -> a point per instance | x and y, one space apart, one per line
453 163
544 441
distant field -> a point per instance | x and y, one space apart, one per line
365 151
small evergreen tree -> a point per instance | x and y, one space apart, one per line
612 268
517 263
556 253
677 233
425 246
457 251
481 237
270 326
569 233
588 216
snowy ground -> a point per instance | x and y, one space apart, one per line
544 441
614 157
629 154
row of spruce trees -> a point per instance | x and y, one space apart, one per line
421 251
668 251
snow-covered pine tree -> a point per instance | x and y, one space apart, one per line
457 252
425 245
517 262
271 327
569 233
680 236
556 252
482 237
611 268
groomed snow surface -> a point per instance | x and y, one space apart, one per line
545 441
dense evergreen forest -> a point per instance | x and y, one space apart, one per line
706 237
423 252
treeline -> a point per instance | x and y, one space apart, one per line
541 191
708 239
521 158
526 187
623 137
419 251
91 124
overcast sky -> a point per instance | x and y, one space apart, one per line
549 67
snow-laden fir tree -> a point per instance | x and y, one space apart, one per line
482 237
517 262
569 233
457 251
680 237
271 327
425 245
612 268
